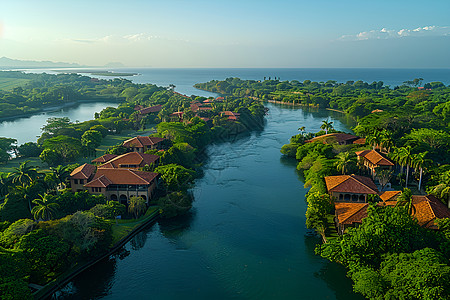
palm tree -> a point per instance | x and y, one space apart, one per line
396 156
418 161
61 173
326 125
5 183
344 162
24 174
136 206
302 130
44 209
406 158
405 200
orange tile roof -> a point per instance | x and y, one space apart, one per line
105 177
340 137
350 184
428 209
349 213
374 157
141 141
104 158
131 158
389 195
152 109
83 172
360 141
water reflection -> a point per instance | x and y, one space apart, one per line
94 283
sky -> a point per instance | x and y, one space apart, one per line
232 33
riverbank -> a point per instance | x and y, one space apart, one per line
130 229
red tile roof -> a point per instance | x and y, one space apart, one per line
152 109
374 157
428 209
349 213
105 177
360 141
104 158
350 184
131 158
141 141
83 172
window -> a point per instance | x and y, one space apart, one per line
75 181
81 181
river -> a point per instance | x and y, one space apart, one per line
245 237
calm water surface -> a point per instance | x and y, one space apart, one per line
245 237
28 129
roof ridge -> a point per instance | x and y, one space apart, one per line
134 172
365 204
352 176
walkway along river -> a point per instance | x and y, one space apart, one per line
245 237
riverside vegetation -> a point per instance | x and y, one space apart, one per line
45 229
389 256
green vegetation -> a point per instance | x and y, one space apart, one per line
389 256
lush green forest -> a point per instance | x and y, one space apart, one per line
45 229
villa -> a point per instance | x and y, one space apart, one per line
131 160
350 188
371 159
143 143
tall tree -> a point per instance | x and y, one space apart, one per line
405 200
346 161
406 158
136 206
418 162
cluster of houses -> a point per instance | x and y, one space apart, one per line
201 110
351 192
120 177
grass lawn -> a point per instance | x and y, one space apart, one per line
14 163
124 227
7 84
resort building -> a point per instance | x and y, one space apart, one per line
131 160
350 188
143 143
103 159
349 215
122 184
371 159
231 116
80 176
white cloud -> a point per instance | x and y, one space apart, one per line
385 33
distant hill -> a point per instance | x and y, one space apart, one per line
8 63
114 65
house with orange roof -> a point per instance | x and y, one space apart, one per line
143 143
350 188
330 138
389 197
81 176
150 110
103 159
231 116
349 215
122 184
371 159
428 209
131 160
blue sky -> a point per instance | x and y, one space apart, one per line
197 33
